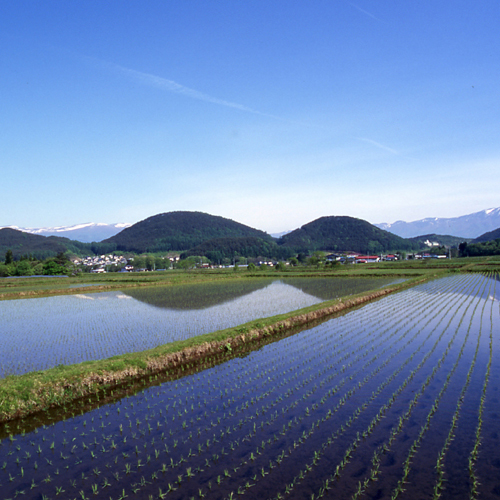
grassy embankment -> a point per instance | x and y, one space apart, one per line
26 394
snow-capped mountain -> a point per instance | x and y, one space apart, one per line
466 226
88 232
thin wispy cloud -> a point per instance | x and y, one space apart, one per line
365 12
167 85
378 145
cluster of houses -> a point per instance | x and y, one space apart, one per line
99 263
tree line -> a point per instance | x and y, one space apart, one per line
28 265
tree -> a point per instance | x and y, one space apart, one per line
280 266
51 267
139 262
6 270
251 267
313 261
188 263
150 262
302 257
462 248
9 258
61 258
24 269
162 263
38 269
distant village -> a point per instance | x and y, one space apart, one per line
104 263
119 263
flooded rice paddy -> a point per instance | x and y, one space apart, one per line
397 399
36 334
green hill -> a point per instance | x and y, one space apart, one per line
219 248
489 236
179 231
342 234
486 244
40 247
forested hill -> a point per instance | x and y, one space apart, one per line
486 244
489 236
226 248
179 231
344 233
40 247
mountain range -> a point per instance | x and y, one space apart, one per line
198 233
466 226
86 232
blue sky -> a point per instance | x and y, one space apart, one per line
269 113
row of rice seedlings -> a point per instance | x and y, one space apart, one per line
363 484
374 422
294 445
474 480
440 472
425 427
485 465
342 401
415 445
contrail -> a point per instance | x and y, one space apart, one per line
378 145
171 86
365 12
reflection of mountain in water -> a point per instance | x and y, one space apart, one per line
199 296
204 295
332 288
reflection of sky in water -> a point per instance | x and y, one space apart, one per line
40 333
